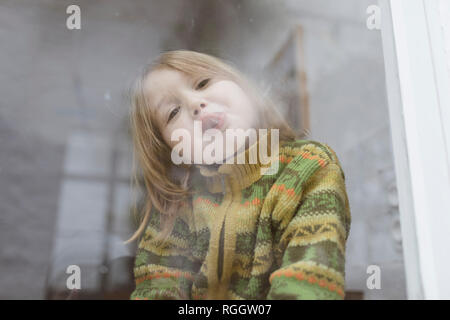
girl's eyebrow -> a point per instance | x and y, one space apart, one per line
167 97
190 81
161 102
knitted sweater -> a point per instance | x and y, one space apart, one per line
246 235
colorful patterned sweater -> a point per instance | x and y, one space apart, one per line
244 235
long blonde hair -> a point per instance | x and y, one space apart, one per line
162 190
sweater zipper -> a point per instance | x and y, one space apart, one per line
220 261
221 240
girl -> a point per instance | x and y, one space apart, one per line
231 230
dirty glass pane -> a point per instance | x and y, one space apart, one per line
66 157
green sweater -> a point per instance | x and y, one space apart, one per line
244 235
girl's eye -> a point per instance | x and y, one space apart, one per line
173 113
203 83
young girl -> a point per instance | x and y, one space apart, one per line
231 230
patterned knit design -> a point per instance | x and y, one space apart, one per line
244 235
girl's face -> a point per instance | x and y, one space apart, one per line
179 100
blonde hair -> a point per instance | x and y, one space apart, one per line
163 191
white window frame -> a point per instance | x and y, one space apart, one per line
415 39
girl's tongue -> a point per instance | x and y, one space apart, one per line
212 120
209 123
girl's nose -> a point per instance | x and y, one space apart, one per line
197 109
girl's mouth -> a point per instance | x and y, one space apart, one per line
213 120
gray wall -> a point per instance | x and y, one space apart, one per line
63 113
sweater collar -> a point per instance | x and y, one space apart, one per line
235 175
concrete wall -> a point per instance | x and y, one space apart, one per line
63 114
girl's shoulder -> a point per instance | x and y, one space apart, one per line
308 150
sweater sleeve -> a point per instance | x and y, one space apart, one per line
164 271
314 240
